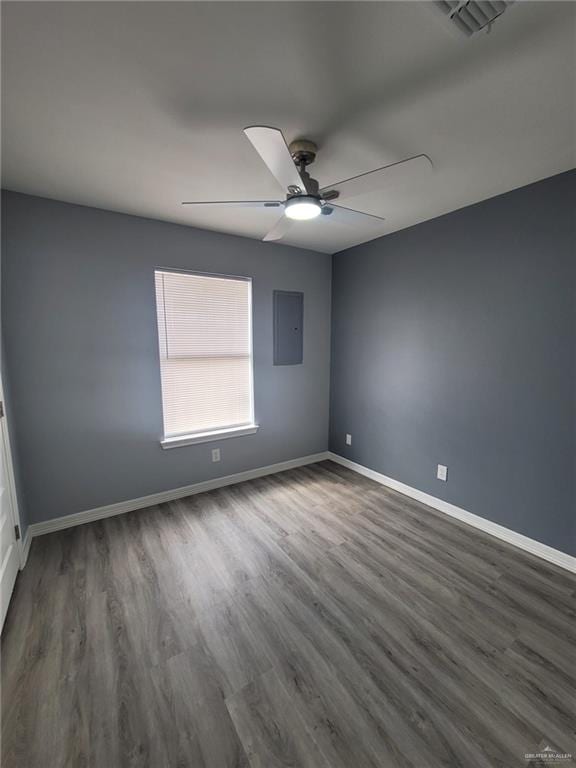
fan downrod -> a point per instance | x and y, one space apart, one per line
303 152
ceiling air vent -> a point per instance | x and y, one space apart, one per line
472 16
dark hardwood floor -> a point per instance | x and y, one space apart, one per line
311 619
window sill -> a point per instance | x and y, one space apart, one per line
208 437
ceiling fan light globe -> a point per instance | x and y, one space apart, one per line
303 208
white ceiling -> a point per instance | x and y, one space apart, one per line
135 106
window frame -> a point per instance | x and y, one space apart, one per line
221 433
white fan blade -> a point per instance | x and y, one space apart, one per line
279 229
272 148
349 216
237 203
408 171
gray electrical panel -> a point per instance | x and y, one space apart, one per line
288 327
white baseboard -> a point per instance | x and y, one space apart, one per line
78 518
25 549
505 534
560 559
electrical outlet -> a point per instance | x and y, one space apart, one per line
215 454
442 472
348 439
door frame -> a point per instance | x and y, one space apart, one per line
10 479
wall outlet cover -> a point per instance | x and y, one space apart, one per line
442 472
215 454
348 439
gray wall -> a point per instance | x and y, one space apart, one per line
82 359
454 342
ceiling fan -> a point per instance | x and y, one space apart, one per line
305 199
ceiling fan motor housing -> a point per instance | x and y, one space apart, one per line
303 151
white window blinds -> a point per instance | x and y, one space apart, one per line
204 333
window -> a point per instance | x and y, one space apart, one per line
205 339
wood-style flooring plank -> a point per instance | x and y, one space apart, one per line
310 619
274 734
